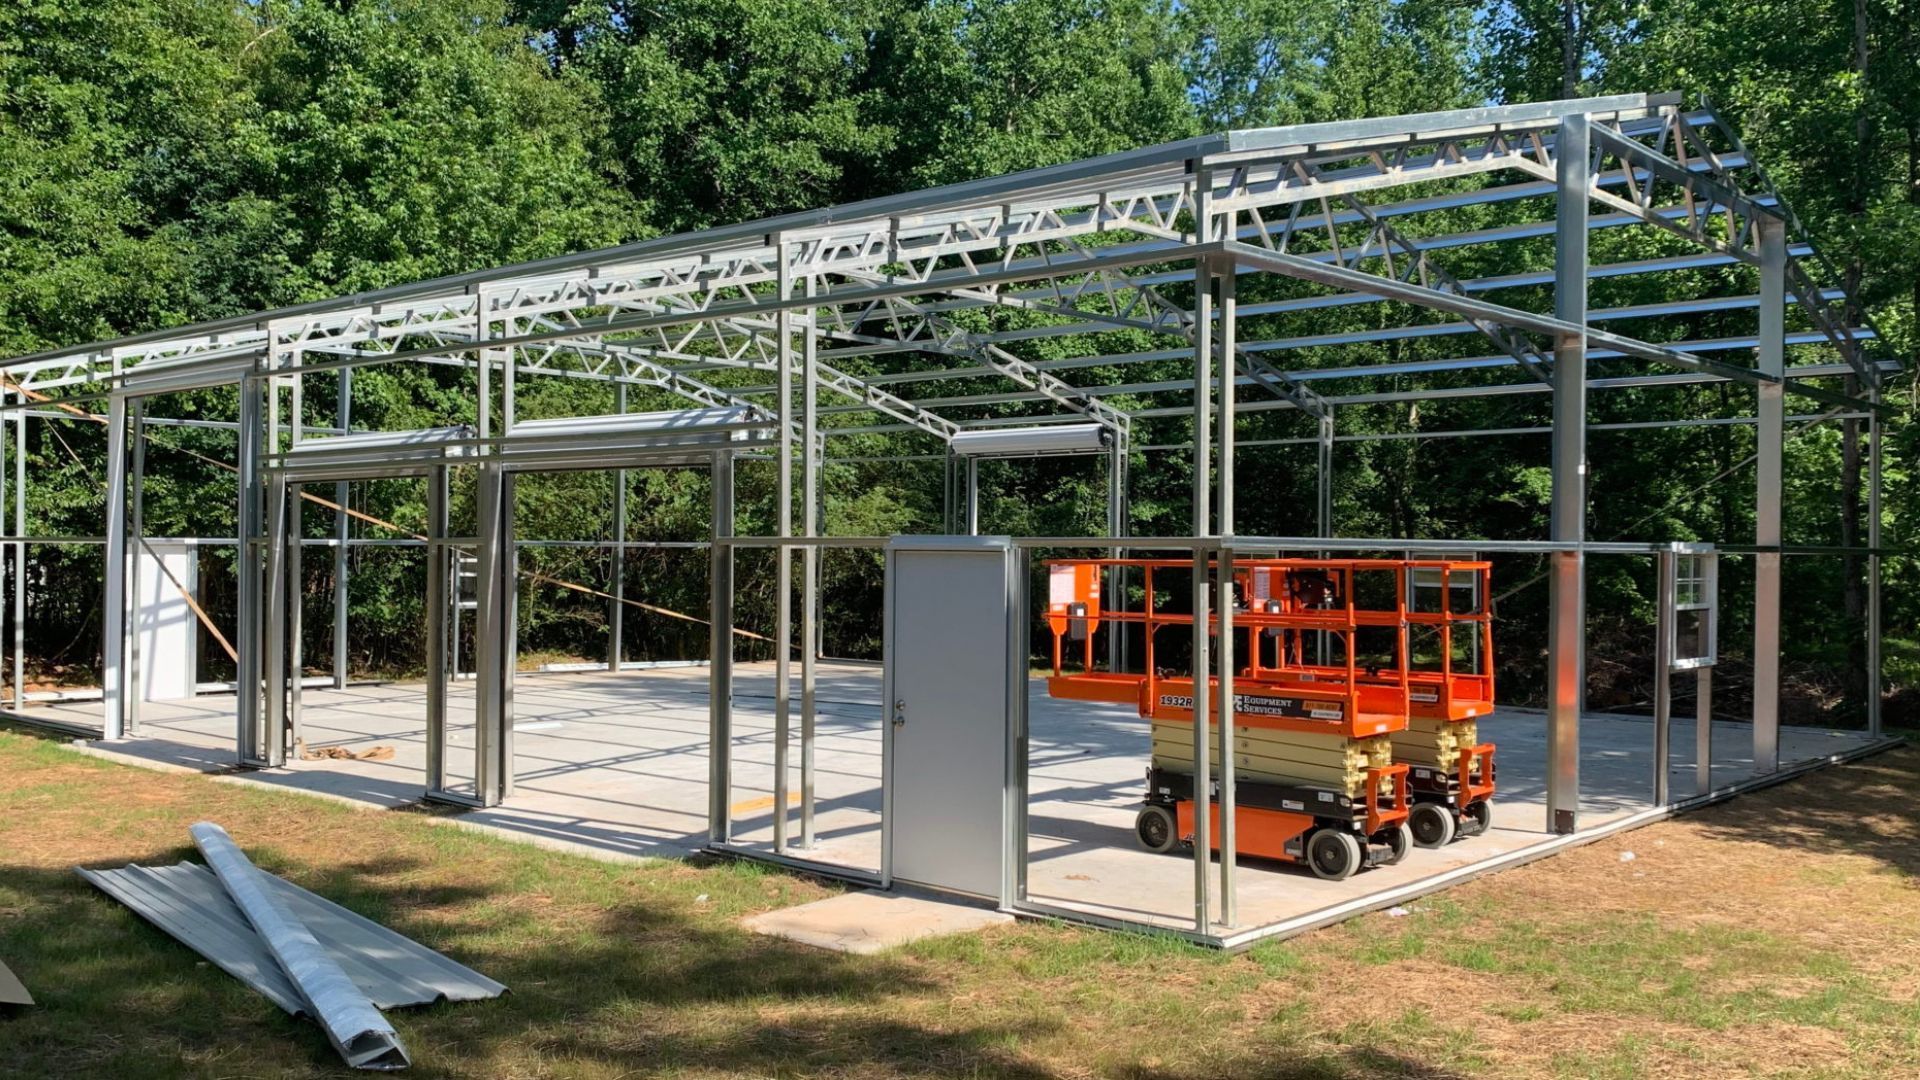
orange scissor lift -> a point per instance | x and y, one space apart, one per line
1443 600
1281 696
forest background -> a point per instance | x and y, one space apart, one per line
169 161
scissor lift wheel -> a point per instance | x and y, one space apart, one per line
1399 841
1476 818
1155 828
1334 855
1432 825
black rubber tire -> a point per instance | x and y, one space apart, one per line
1155 828
1332 854
1432 825
1477 818
1399 841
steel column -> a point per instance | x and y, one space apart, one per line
251 742
113 643
617 565
1566 604
1703 732
949 514
1323 502
274 591
342 533
296 615
1874 436
20 558
11 577
783 567
439 556
812 446
1769 434
494 638
274 655
1117 526
137 530
970 507
1664 592
1229 915
1203 347
720 658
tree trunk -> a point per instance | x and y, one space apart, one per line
1570 49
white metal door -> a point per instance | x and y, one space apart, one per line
953 669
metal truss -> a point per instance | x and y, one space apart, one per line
1089 247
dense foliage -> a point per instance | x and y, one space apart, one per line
166 161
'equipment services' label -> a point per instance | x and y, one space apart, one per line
1267 705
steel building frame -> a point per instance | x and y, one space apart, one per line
866 302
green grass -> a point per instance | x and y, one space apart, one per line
643 970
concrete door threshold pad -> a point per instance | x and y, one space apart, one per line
870 920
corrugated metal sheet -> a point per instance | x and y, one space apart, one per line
188 903
355 1026
12 990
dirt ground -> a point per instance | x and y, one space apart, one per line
1776 934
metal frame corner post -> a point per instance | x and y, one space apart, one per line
136 542
1665 599
1770 436
1566 605
274 654
1873 628
720 657
1223 510
342 536
1203 347
617 559
113 643
783 554
1117 518
813 452
439 556
19 555
296 610
494 638
252 745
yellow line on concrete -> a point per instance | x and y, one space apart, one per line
764 802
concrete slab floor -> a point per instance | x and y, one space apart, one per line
616 764
868 921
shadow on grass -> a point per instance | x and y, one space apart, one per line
1862 808
635 986
628 988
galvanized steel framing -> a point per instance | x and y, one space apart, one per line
868 302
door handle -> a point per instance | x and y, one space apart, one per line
900 713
